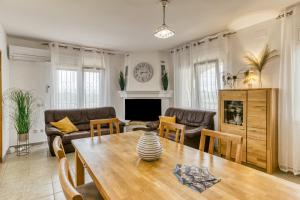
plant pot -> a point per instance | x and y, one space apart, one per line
149 147
23 137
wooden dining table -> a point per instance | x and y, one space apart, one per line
117 171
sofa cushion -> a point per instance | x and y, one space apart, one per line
83 127
190 117
65 126
99 113
80 116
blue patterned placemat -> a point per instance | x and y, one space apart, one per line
197 178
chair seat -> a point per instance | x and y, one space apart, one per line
89 191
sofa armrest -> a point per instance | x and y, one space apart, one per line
50 130
152 125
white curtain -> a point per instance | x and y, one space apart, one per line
80 77
182 77
289 94
197 72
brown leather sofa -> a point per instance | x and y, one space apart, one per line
194 120
81 118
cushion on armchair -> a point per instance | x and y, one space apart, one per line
65 126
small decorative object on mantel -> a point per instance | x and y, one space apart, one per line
197 178
149 147
122 81
259 62
22 103
164 77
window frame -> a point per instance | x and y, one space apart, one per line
80 82
196 80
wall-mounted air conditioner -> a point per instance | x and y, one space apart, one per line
29 54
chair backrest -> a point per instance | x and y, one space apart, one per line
60 152
66 184
165 128
226 137
58 148
98 122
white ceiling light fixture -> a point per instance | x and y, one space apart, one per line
164 32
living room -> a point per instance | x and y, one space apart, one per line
96 93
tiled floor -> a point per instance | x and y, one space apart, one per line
32 177
35 176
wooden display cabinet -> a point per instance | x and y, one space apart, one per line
251 113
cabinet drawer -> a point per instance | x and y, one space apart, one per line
257 134
259 121
256 153
257 95
257 107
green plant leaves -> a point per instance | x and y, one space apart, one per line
23 104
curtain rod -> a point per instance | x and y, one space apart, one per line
202 41
87 49
285 14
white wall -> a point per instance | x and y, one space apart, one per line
254 39
32 76
5 86
154 58
117 65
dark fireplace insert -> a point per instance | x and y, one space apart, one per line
142 109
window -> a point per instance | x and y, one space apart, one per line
74 91
93 87
67 89
207 84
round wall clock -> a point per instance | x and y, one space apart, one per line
143 72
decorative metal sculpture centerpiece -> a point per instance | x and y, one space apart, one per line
149 147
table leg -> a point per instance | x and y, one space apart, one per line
79 170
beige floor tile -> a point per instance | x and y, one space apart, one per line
59 196
12 196
57 187
38 191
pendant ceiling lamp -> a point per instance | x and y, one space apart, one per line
164 32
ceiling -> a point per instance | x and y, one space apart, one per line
128 25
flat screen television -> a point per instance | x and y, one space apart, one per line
142 109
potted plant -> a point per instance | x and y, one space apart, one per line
22 104
259 62
165 80
122 81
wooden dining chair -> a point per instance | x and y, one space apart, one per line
179 129
58 148
87 191
99 122
229 139
60 152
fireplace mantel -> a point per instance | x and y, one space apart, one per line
146 94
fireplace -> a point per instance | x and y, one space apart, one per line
142 109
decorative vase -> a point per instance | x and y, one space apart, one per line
23 137
149 147
259 80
